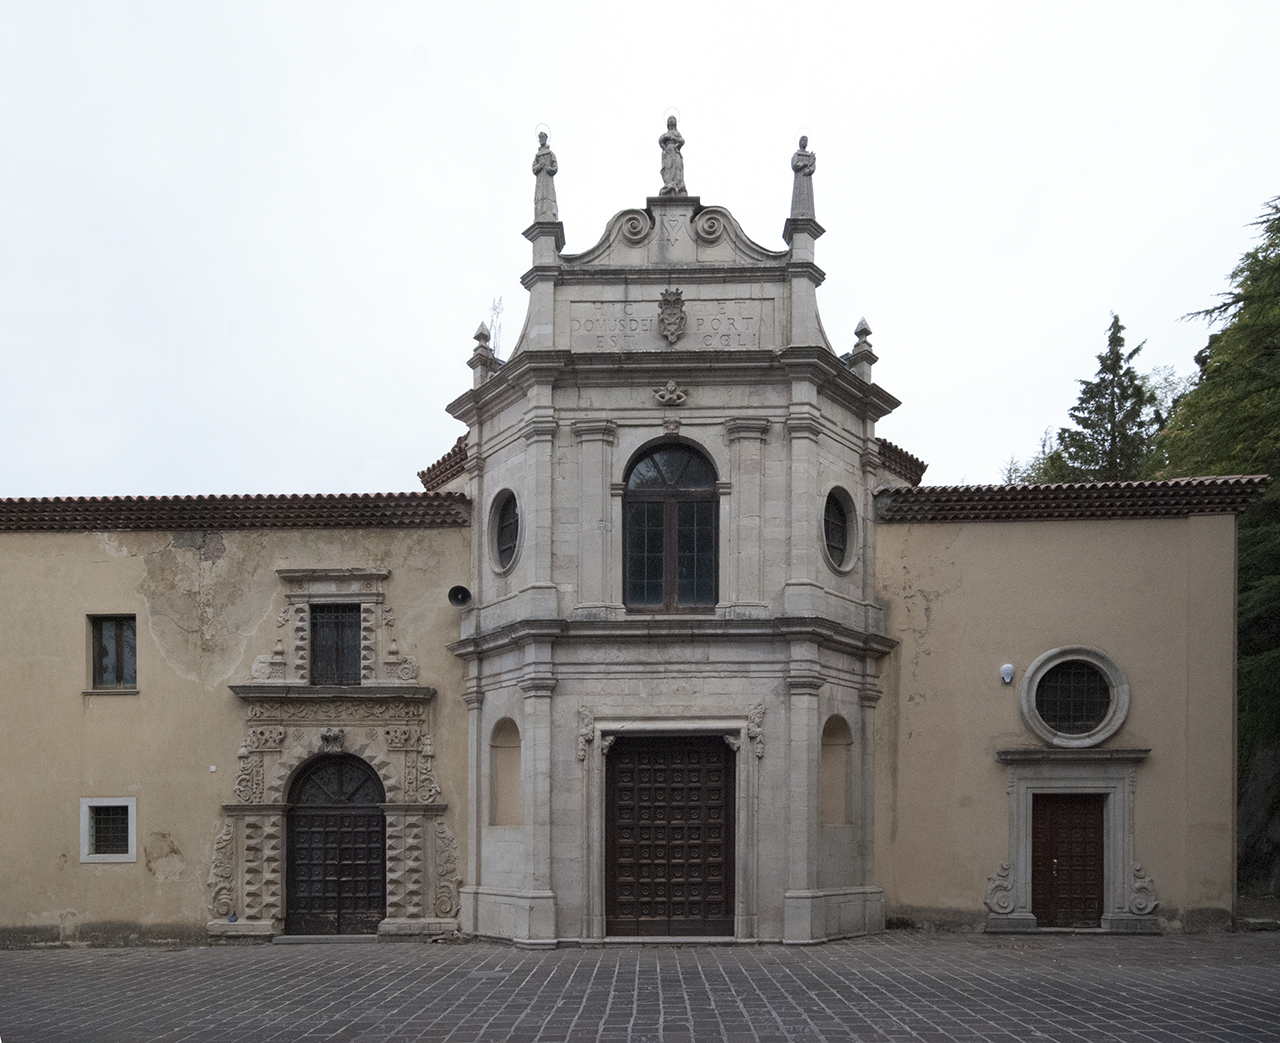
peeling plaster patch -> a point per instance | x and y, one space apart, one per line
111 545
200 625
164 860
213 548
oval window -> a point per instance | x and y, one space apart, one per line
505 526
839 530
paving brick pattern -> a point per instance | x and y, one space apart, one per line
900 986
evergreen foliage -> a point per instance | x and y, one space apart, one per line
1229 423
1116 417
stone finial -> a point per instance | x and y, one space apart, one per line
803 163
544 189
482 361
861 358
671 143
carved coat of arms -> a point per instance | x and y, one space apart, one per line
671 316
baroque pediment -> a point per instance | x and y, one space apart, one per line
675 230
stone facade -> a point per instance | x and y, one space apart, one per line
851 665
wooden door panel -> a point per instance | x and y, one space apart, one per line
669 836
1067 858
336 850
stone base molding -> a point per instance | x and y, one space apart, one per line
388 729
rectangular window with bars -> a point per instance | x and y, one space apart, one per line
108 829
335 644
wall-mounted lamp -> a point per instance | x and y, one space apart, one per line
1006 673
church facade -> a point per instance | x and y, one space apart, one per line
672 645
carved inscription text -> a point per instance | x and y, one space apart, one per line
635 326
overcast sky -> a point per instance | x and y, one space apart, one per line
244 246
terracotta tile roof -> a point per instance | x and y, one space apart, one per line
447 468
1172 499
898 461
342 511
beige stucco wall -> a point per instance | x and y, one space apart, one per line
206 605
1158 596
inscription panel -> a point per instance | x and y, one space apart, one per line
633 325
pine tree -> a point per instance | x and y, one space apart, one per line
1115 417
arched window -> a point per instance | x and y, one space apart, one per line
833 773
669 531
504 774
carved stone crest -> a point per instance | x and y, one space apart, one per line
671 317
332 740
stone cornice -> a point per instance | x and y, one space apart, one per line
1039 754
315 693
742 366
807 270
648 629
665 275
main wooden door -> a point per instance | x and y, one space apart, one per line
336 849
1067 859
669 818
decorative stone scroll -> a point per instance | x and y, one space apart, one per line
448 881
586 730
755 728
1143 899
1000 890
221 871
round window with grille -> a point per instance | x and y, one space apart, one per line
1074 697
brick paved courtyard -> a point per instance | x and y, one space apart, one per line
900 986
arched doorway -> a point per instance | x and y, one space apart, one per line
336 850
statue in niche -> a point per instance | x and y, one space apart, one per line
803 163
672 162
544 189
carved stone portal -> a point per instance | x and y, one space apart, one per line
385 725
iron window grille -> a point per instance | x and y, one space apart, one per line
1073 697
670 532
115 652
109 830
335 644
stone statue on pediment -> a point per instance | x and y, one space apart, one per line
803 163
672 162
544 189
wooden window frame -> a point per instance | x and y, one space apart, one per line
671 500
